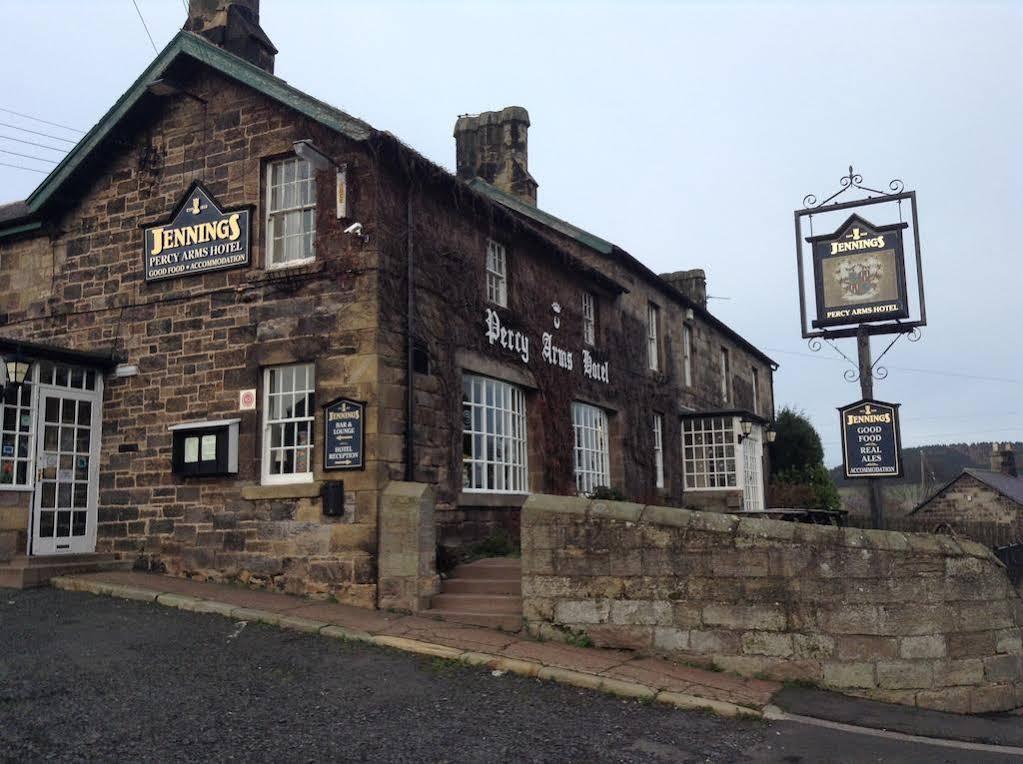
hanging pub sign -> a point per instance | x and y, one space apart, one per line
860 274
198 238
871 440
344 435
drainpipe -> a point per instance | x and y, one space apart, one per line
410 409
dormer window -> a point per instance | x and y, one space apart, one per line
497 274
291 212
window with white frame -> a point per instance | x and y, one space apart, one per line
726 376
756 391
288 423
653 350
589 319
497 273
708 453
291 212
494 441
659 449
16 431
687 354
592 448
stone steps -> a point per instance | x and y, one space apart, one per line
25 572
482 593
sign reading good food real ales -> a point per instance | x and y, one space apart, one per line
871 440
859 274
200 237
344 435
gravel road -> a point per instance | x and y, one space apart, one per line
85 678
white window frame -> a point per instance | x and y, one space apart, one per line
279 216
756 390
497 273
589 319
726 373
687 354
592 450
495 441
753 470
653 341
720 469
26 404
270 477
659 450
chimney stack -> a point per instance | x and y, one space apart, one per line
692 283
492 146
234 26
1003 459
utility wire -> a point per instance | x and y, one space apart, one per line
44 121
28 156
145 26
20 167
33 143
36 132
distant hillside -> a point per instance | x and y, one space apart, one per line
940 463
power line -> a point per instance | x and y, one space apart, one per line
28 156
936 372
20 167
44 121
145 26
33 143
36 132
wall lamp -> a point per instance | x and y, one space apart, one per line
770 433
306 150
747 428
17 365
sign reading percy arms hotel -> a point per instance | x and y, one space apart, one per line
860 274
871 441
198 238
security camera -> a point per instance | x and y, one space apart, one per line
355 228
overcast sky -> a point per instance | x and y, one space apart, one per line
685 133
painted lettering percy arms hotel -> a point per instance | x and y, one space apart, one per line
234 317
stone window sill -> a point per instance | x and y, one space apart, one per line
285 491
470 499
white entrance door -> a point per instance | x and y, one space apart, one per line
67 471
752 470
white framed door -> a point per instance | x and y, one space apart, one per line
752 470
66 496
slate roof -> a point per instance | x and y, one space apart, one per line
1008 486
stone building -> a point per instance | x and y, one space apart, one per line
226 273
993 497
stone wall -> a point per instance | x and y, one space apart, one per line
968 500
408 547
907 618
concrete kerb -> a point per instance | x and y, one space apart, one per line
526 668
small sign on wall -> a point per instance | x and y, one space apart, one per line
344 435
342 191
247 400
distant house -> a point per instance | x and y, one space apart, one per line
978 496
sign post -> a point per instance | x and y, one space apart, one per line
860 290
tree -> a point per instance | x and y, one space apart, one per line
798 475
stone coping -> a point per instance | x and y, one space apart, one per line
617 672
283 491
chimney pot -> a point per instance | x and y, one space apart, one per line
1003 459
494 146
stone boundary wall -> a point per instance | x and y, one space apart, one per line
907 618
407 547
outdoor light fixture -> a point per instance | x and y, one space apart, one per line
770 435
747 428
307 151
17 365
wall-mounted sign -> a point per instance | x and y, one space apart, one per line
247 400
860 274
198 238
342 191
871 440
344 435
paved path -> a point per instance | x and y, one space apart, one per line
85 678
615 671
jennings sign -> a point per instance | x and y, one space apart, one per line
860 274
871 441
345 435
199 237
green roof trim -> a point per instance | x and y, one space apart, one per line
218 59
22 228
573 232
